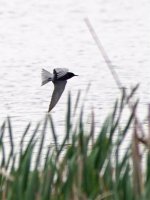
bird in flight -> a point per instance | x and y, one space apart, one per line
59 79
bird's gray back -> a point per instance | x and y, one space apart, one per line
60 72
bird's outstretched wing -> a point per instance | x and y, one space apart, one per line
59 87
60 72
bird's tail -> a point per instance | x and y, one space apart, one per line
46 76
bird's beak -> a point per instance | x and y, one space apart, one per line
76 75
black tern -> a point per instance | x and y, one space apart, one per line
59 79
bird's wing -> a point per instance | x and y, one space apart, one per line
60 72
59 87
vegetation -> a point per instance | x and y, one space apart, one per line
84 165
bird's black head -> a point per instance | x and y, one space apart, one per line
70 75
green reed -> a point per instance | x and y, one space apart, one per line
84 165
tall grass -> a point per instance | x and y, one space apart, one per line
85 165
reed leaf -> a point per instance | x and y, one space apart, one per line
41 143
53 133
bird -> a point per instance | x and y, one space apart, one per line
59 78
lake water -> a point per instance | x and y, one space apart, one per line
48 34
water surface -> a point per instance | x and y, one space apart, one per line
48 34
